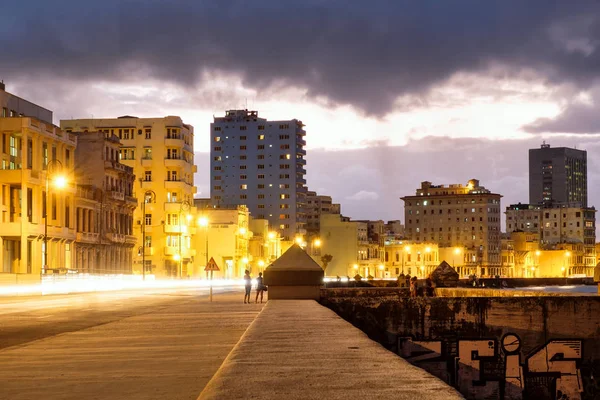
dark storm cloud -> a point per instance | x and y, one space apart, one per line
580 118
360 53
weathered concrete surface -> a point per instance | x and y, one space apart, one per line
489 347
169 352
488 292
297 349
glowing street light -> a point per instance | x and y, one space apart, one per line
177 257
355 266
317 242
59 182
272 235
242 231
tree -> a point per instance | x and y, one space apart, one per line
326 259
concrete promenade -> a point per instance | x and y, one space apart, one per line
167 346
298 349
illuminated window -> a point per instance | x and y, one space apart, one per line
244 187
217 138
261 137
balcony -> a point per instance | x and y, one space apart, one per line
130 199
130 239
115 165
146 184
147 162
171 251
174 229
175 184
301 180
301 151
300 161
301 142
113 195
86 237
174 141
175 162
116 237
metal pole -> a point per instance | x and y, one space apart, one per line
180 257
144 238
43 270
211 273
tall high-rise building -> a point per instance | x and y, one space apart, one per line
466 217
260 163
161 153
558 175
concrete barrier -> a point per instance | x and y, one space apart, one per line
531 347
297 349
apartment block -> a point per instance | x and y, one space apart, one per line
557 225
161 153
104 206
316 205
260 163
558 175
458 216
34 156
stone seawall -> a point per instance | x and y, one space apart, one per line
487 347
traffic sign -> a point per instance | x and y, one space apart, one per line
212 265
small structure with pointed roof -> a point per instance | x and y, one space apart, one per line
294 275
445 276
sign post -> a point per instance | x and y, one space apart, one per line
211 267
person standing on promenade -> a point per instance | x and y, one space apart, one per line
248 284
260 288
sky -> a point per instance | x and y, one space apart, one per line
392 92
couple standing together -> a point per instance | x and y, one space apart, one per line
260 287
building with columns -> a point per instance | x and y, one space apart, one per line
104 206
161 153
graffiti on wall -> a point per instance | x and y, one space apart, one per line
496 369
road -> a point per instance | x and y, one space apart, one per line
139 344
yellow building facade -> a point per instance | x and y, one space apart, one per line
222 234
411 258
161 153
36 175
348 243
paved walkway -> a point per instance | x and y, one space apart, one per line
171 352
298 349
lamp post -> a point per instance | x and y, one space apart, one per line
404 249
203 222
60 182
316 247
183 206
149 197
455 253
568 256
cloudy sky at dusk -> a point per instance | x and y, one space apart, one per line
392 92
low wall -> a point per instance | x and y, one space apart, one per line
297 349
487 347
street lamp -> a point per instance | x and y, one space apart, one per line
183 206
381 268
203 222
149 197
405 249
54 168
568 255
